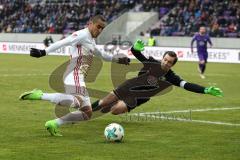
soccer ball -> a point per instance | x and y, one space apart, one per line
114 132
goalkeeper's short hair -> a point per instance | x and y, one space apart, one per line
171 54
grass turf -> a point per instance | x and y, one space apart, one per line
22 133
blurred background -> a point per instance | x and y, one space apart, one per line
168 20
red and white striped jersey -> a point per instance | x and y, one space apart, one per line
82 48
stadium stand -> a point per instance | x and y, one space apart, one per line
222 18
54 16
176 17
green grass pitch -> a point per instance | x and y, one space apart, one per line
23 136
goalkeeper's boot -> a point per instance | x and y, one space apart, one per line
52 128
35 94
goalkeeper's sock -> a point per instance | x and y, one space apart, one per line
95 105
59 98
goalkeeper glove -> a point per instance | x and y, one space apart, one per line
138 45
37 53
214 91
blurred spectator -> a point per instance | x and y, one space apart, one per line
23 17
232 28
47 41
221 18
141 33
215 31
151 41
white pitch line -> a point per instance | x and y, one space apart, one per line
212 74
195 110
212 122
151 114
199 121
189 120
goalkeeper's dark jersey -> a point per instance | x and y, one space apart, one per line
170 76
151 80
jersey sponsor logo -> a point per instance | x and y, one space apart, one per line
201 43
152 80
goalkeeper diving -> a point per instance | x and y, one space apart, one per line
155 77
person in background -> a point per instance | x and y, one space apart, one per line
151 41
47 41
202 39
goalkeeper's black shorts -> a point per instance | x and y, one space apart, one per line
135 95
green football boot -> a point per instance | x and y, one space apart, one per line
35 94
52 128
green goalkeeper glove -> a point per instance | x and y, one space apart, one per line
138 45
214 91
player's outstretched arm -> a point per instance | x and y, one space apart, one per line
213 91
192 87
64 42
193 39
136 50
121 59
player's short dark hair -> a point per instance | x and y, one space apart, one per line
97 17
171 54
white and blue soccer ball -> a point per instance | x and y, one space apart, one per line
114 132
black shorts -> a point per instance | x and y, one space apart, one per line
139 90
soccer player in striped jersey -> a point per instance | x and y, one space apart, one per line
82 49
